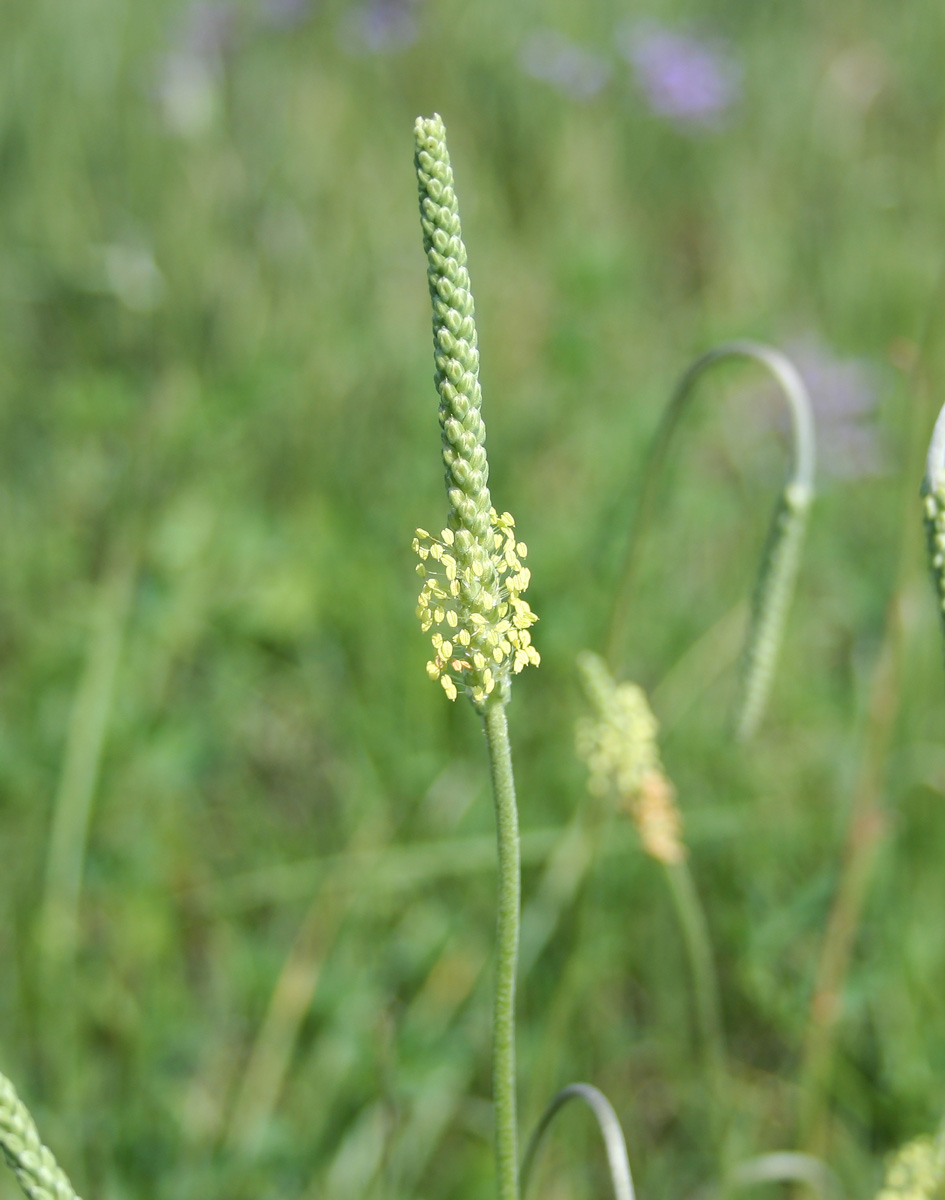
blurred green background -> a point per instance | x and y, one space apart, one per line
245 845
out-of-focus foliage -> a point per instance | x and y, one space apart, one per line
217 435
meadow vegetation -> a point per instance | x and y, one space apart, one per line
247 862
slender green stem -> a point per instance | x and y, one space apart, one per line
507 928
85 744
867 822
866 828
706 987
79 784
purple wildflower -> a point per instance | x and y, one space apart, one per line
187 87
209 29
844 393
692 81
284 14
380 27
549 56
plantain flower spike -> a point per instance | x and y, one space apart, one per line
619 745
916 1172
933 511
473 572
39 1175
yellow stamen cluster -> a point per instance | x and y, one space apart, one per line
473 601
619 745
916 1172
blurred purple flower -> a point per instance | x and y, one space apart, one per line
284 14
380 27
692 81
187 82
209 29
549 56
844 393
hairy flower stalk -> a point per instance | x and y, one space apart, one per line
471 598
40 1176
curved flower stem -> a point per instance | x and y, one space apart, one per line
507 931
617 1159
779 563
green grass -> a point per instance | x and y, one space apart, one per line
257 449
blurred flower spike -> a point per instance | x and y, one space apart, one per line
475 601
916 1172
619 745
691 81
473 573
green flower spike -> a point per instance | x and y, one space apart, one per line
933 510
40 1176
473 574
916 1172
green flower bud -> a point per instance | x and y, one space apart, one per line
456 353
40 1176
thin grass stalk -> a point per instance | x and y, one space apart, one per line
371 873
267 1065
85 742
866 822
59 915
705 982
